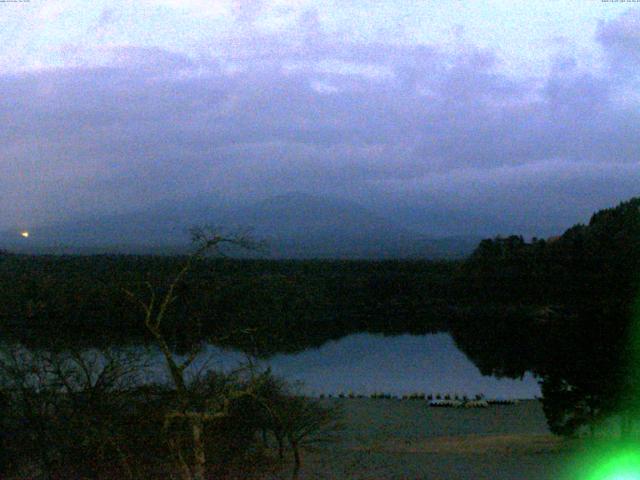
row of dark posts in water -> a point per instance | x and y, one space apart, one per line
447 400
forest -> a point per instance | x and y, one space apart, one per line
292 304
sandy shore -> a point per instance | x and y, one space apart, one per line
409 440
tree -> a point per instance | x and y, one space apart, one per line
156 308
300 422
306 424
68 412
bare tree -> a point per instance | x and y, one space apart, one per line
292 419
155 308
307 424
65 408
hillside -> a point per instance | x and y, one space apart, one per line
294 225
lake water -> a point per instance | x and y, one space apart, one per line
366 363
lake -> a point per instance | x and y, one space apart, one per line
366 363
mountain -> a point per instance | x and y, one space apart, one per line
294 225
300 225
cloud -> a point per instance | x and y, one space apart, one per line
621 39
119 126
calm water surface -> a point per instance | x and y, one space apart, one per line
366 363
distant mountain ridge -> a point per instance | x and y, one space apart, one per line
294 225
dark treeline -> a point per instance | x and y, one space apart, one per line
288 305
565 309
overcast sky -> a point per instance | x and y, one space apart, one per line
516 109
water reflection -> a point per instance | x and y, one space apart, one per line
366 363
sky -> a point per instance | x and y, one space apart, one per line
527 112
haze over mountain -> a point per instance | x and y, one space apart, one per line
293 225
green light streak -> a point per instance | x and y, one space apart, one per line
616 459
624 466
613 460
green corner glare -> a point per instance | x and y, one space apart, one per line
625 466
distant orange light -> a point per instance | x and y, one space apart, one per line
24 234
